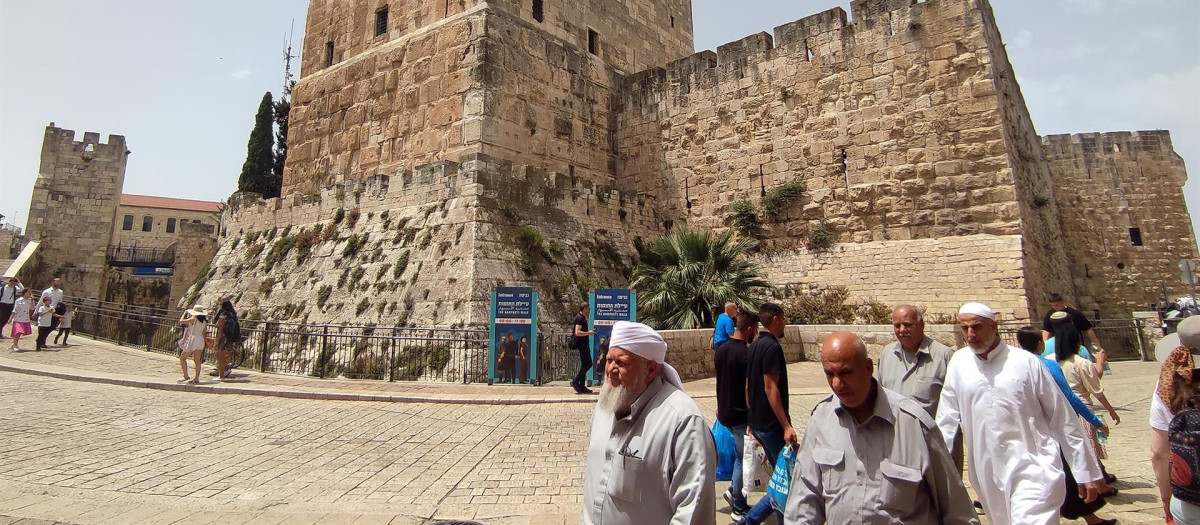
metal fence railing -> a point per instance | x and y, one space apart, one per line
1124 339
325 351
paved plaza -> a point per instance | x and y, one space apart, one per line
77 449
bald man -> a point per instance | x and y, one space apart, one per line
871 455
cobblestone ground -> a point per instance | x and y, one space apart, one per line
87 453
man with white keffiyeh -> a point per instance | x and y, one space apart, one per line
651 457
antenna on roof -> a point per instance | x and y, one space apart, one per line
287 63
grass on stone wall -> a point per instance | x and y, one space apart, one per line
362 306
821 237
323 295
339 215
778 199
400 265
352 218
353 244
744 217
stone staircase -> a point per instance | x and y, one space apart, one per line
4 266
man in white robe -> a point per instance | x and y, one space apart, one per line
651 457
1014 420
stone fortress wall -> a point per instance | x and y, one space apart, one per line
1136 179
452 223
72 210
905 123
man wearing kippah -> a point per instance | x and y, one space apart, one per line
1014 421
650 457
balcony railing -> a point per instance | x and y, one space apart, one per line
132 256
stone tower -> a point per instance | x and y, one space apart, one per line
438 149
73 208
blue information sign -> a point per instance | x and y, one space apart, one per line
608 305
512 348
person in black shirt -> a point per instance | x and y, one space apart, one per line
1085 327
583 343
767 398
731 401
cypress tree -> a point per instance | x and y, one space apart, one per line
258 171
283 110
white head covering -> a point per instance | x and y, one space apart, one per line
643 341
979 309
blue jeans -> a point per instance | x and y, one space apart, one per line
772 442
740 505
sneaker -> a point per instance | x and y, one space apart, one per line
734 512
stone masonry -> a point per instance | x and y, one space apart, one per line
1126 258
482 128
73 208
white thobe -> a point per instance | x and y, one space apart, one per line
656 465
55 295
1015 420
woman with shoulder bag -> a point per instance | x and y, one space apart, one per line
192 345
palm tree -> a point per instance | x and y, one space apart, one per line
685 278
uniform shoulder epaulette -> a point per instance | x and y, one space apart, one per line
911 408
827 399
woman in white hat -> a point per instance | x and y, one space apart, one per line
1177 390
191 345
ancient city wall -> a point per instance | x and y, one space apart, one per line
452 229
402 105
894 124
1108 184
72 210
664 27
1044 254
937 274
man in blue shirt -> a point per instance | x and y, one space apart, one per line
724 328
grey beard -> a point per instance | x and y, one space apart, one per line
980 350
618 400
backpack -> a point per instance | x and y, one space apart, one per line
1184 437
233 332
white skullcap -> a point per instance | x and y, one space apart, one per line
643 341
979 309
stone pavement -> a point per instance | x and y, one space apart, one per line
80 452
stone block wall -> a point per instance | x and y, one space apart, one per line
72 210
405 103
194 251
663 29
891 121
456 223
1106 185
1043 250
937 274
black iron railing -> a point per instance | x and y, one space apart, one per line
1124 339
325 351
132 256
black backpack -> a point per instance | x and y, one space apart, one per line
233 332
1184 437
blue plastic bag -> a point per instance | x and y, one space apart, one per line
726 451
781 479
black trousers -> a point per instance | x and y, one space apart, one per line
43 333
5 313
64 333
585 364
1073 507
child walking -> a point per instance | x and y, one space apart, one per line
45 321
21 326
64 323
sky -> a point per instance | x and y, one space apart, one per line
181 80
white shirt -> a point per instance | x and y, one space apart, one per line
1015 421
193 337
55 295
9 293
21 310
1160 413
655 466
67 318
45 315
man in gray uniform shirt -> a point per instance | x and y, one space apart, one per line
870 455
915 366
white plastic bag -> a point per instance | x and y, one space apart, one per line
756 470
